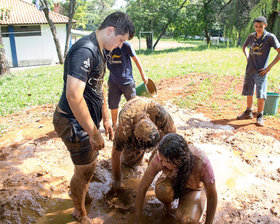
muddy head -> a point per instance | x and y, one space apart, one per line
146 133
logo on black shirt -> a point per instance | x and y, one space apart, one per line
87 63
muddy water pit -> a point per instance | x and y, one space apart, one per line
35 175
108 207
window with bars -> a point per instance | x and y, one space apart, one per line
22 31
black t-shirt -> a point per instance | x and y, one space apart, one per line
259 51
84 61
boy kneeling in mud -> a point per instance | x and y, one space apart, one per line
187 175
142 123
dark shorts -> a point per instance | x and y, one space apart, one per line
250 81
75 139
115 92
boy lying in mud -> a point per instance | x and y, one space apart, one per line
186 174
142 123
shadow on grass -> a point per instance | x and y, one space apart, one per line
177 49
231 123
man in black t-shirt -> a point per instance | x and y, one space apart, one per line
82 106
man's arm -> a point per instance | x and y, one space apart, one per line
245 51
105 116
74 94
116 168
212 200
264 71
139 66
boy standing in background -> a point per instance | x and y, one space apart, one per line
121 79
260 43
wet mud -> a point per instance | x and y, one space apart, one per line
35 175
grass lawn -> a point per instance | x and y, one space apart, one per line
43 85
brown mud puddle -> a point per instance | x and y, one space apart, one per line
36 169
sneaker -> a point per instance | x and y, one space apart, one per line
248 114
260 120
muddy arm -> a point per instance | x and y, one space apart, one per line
212 200
146 181
116 168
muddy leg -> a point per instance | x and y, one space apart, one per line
191 207
88 199
164 191
79 187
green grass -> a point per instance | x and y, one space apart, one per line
43 85
215 61
30 87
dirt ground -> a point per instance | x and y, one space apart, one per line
35 167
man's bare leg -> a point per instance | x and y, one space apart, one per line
79 187
260 105
114 114
249 102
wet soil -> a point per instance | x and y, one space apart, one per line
35 167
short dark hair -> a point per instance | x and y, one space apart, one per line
121 22
260 19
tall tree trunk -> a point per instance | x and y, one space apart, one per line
69 27
149 41
207 36
4 68
53 29
239 38
168 22
161 34
205 8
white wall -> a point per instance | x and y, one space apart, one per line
37 50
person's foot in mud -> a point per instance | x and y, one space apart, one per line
84 220
76 215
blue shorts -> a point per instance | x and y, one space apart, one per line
115 92
250 81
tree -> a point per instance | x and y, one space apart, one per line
201 17
45 8
4 68
271 10
155 15
71 13
89 14
235 17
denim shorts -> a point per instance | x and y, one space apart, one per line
75 139
250 81
115 92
